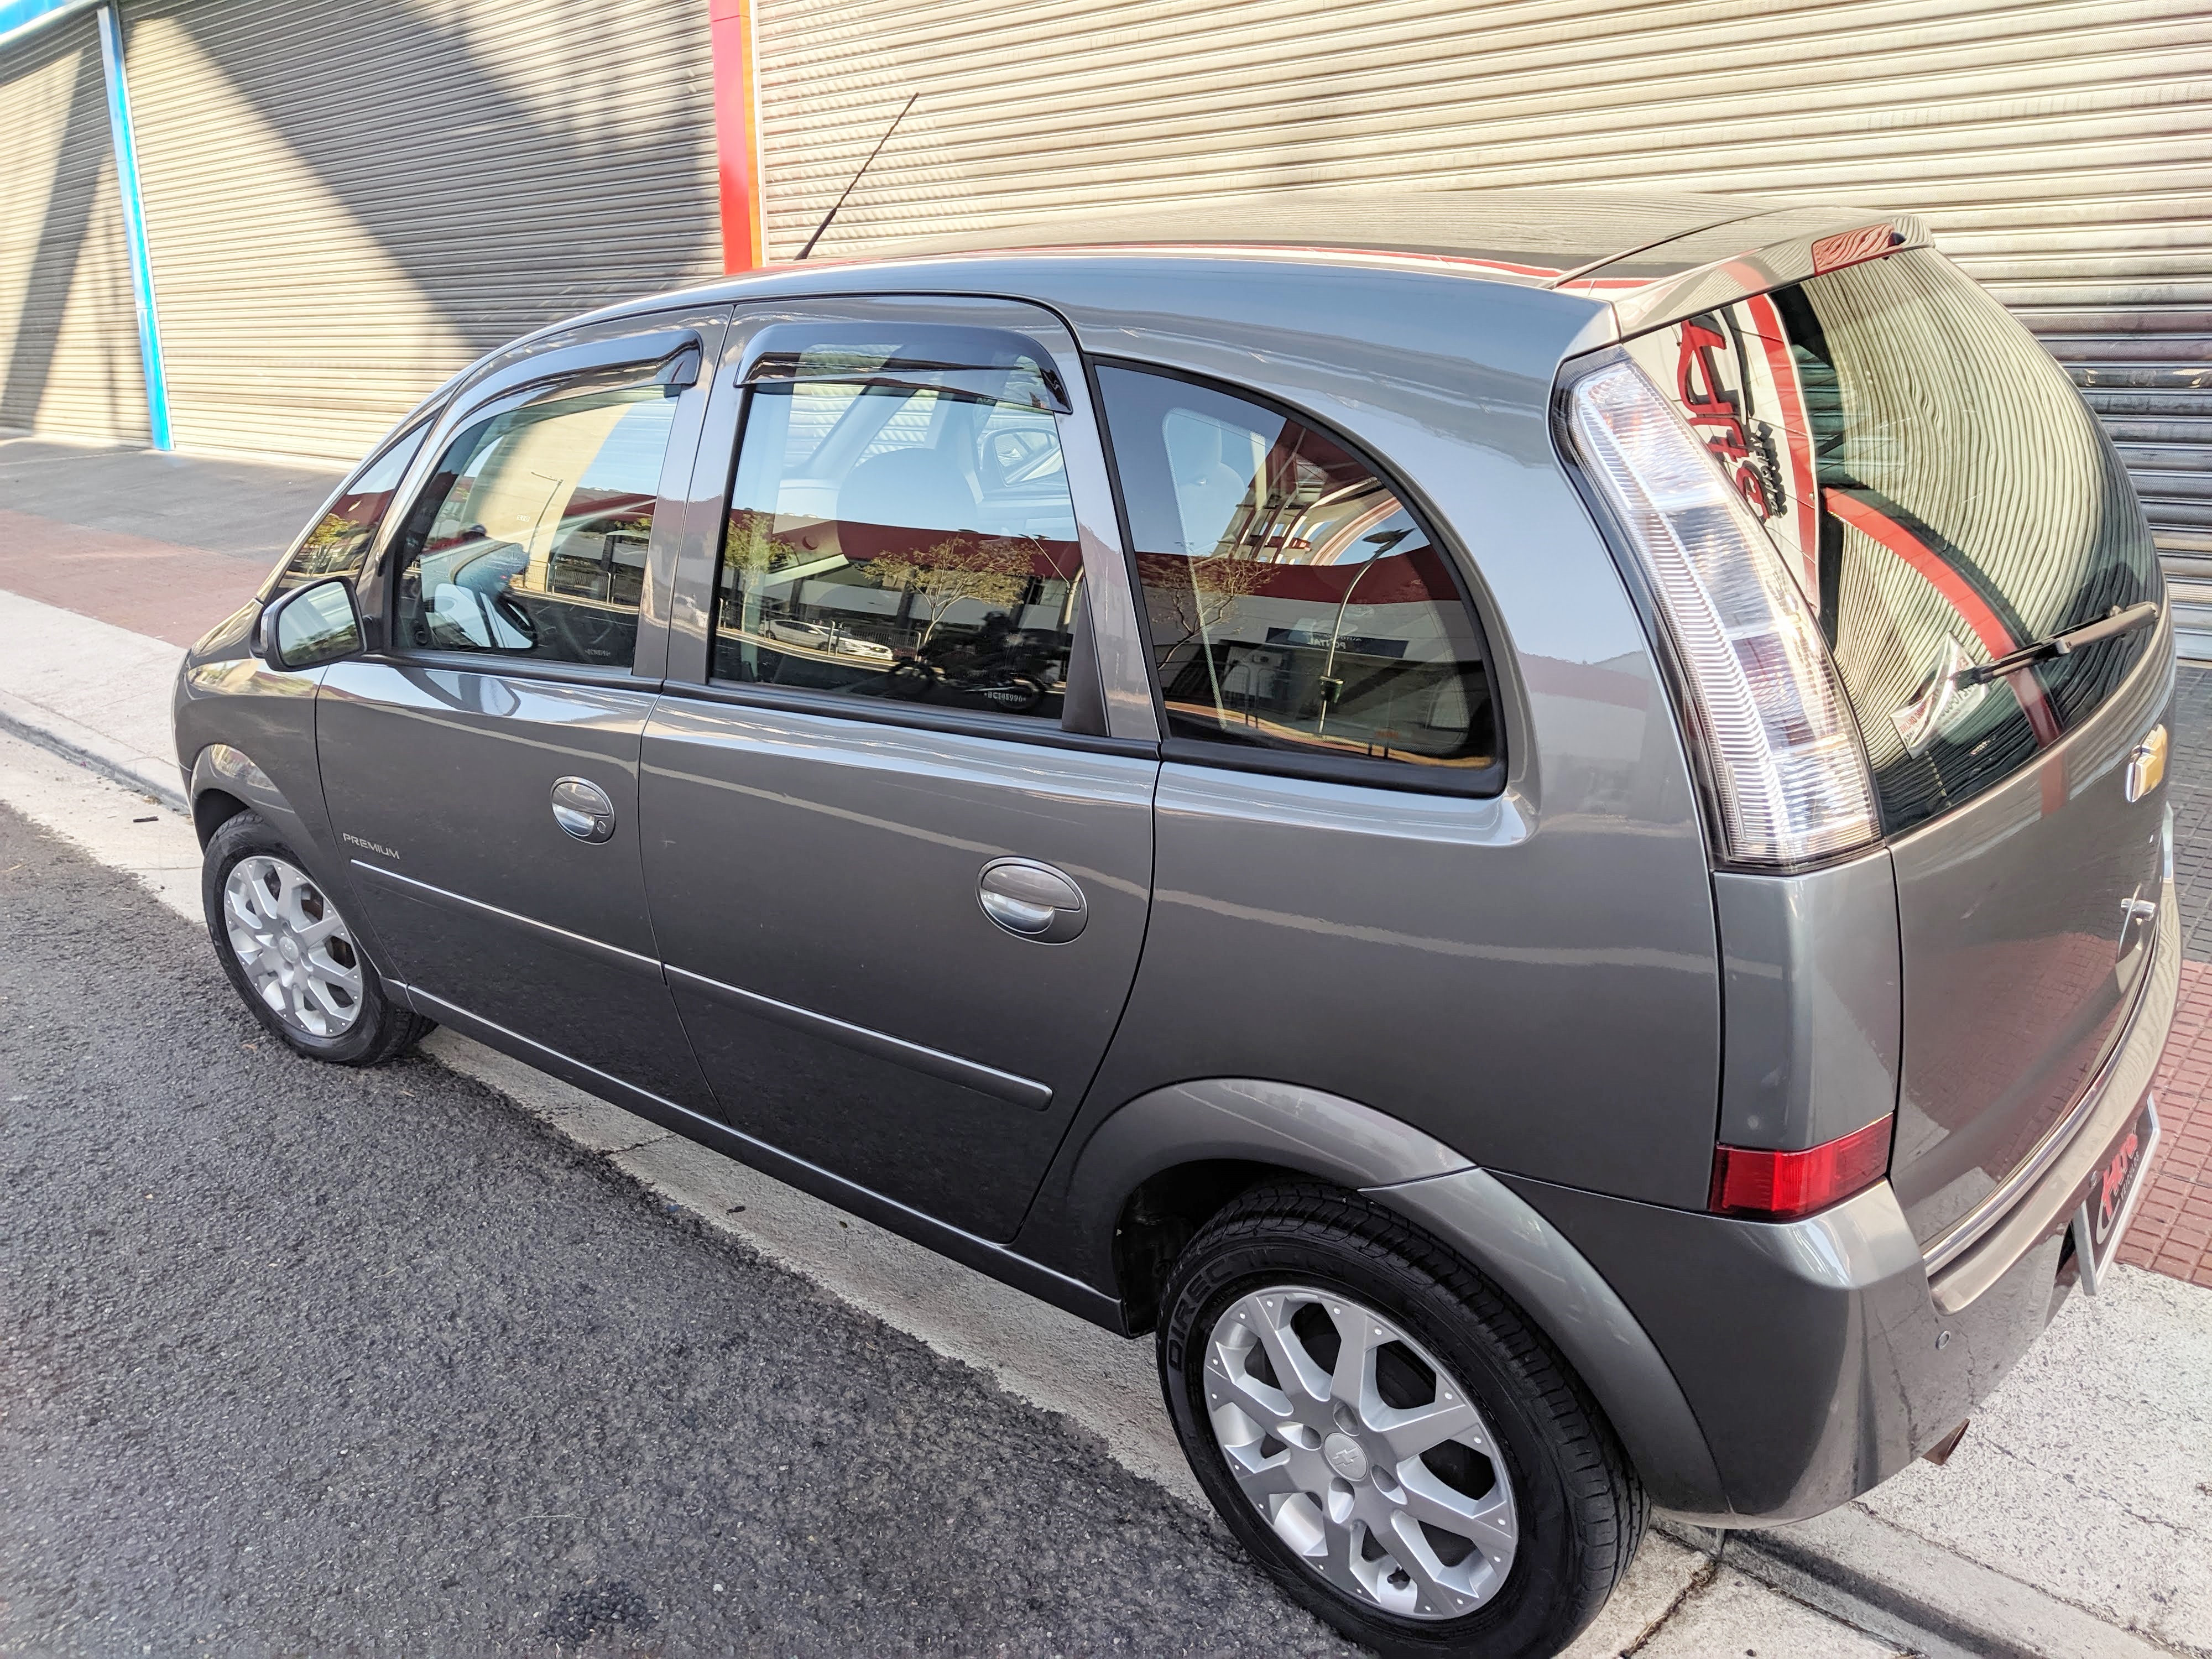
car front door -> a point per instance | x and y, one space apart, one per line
480 762
898 792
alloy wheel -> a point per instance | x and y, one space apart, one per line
296 950
1365 1456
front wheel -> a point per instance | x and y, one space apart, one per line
291 956
1400 1449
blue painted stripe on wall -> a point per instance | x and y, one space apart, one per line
134 228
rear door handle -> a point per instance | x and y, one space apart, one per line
581 808
1032 900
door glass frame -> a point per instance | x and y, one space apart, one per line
1125 715
623 351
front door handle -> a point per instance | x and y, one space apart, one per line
581 808
1032 900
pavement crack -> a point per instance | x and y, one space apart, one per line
1699 1581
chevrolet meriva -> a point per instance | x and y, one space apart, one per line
1532 825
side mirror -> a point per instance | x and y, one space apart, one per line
311 626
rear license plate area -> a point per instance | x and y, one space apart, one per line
2101 1221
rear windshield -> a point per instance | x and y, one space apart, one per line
1944 498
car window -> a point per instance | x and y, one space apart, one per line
1294 604
1943 496
530 539
892 539
339 541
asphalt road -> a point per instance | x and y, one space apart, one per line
305 1360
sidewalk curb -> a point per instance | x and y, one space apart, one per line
1907 1589
170 795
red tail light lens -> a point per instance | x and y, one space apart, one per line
1750 1180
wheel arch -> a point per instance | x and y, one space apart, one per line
226 782
1153 1172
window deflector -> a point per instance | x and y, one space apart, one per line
976 365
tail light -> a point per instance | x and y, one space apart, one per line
1770 1186
1765 709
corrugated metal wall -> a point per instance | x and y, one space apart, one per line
348 199
2062 150
68 340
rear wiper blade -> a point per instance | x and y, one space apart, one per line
2117 621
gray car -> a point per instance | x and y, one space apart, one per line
1532 825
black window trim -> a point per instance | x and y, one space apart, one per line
1485 782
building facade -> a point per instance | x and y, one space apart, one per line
342 202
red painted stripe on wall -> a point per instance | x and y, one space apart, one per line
736 131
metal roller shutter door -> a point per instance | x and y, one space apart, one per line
2058 148
347 200
69 340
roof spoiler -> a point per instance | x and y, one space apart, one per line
1704 270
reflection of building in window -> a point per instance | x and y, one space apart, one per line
901 541
1941 496
538 540
1293 601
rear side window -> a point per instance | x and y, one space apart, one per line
339 541
530 539
1944 498
1296 605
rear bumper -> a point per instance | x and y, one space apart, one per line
1819 1356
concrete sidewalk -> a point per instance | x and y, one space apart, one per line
2075 1520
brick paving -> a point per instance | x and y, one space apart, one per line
2172 1230
2188 792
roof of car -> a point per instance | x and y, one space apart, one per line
1538 237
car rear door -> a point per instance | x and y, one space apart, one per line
480 760
899 788
1946 500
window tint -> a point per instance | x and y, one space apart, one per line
1943 497
339 541
890 540
1294 603
530 540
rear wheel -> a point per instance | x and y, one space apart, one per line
1395 1445
291 955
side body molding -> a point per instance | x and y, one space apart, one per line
1354 1146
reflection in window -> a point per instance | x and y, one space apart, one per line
531 539
339 541
1943 496
1294 603
892 540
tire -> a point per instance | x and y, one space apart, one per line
320 994
1554 1512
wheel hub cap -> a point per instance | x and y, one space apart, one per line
1365 1457
294 946
1345 1455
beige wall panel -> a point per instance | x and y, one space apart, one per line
286 327
2062 150
69 344
347 200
